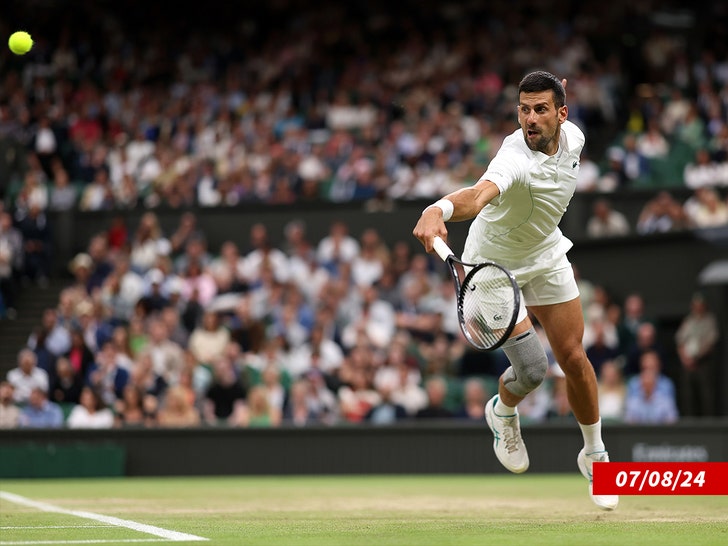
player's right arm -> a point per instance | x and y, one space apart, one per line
466 204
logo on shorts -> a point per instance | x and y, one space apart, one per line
574 164
497 317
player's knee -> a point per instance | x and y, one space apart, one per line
535 374
528 364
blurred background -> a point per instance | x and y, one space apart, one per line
207 210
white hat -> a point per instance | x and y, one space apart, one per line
80 260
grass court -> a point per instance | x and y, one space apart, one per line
349 510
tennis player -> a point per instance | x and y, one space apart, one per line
516 207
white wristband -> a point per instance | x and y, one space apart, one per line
446 206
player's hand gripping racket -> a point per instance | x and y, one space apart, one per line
488 299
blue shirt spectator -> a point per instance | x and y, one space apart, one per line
40 412
648 405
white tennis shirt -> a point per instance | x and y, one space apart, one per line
519 227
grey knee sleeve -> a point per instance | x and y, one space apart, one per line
528 363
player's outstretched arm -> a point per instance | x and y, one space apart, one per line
457 206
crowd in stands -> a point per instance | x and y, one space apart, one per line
158 329
391 101
121 117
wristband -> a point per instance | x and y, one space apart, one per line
446 206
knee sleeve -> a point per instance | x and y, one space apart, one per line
528 363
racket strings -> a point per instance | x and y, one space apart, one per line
488 303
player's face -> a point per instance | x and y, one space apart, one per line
540 121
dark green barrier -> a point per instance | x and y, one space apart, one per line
412 448
52 460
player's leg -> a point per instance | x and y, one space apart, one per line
564 327
528 368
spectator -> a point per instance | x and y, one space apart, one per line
9 411
56 336
645 341
652 143
154 298
91 412
300 409
11 263
374 318
336 247
606 222
106 376
635 164
386 411
98 194
79 354
121 290
81 268
187 229
143 377
27 376
612 392
705 209
177 411
246 330
632 316
436 388
587 180
559 410
39 412
63 194
37 245
260 413
701 171
475 396
198 287
651 360
147 244
696 340
225 400
401 372
614 176
66 384
317 352
661 214
357 395
195 251
228 269
273 379
167 357
647 404
263 254
209 340
135 408
368 266
600 350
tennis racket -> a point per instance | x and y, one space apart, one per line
488 299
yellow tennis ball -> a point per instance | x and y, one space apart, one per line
20 42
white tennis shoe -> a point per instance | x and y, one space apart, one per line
507 442
585 461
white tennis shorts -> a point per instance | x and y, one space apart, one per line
543 284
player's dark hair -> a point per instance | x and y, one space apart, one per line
538 81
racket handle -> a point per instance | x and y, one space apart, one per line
441 248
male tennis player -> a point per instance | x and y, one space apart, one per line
516 206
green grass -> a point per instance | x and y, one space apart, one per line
502 510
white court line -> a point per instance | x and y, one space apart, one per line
36 542
9 527
174 536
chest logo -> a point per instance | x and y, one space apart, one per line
574 164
